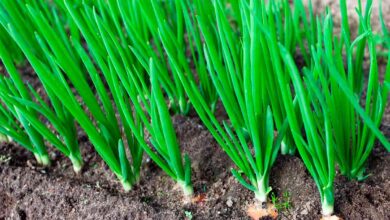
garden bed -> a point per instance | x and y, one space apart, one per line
28 191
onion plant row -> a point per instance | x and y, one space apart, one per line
332 136
17 99
111 135
312 110
238 74
99 122
128 84
118 68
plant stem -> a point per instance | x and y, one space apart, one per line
184 107
126 185
77 163
137 177
262 193
43 160
4 138
187 189
328 202
286 149
287 146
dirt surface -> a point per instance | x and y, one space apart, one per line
319 6
30 192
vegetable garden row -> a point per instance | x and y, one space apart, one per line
120 69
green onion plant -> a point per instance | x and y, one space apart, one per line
111 66
315 143
354 132
26 135
129 85
69 83
163 138
15 127
331 135
240 80
277 14
172 23
19 100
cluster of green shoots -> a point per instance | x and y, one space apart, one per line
117 69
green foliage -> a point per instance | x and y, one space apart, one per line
111 66
61 73
171 25
28 136
385 39
355 129
140 105
235 70
330 135
315 143
19 101
232 54
22 133
6 40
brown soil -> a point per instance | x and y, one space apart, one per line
320 5
30 192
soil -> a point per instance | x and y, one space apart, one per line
28 191
319 7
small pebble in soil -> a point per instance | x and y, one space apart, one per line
53 155
304 212
229 202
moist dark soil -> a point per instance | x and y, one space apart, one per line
28 191
31 192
